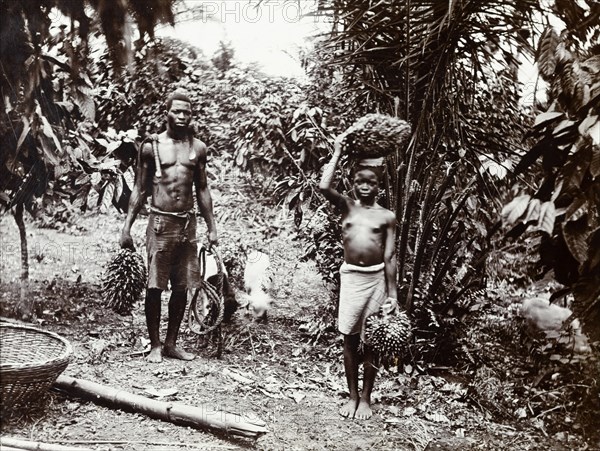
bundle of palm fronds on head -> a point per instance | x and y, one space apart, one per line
123 280
376 135
388 336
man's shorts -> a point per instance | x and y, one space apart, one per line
172 249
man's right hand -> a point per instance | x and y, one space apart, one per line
126 242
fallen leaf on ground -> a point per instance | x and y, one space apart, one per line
237 377
98 346
437 417
336 386
408 411
521 413
272 388
270 394
161 392
394 410
297 396
393 420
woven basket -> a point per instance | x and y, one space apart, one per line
30 361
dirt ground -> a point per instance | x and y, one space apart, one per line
292 384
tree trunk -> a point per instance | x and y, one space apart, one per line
200 416
24 306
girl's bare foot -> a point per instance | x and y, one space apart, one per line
177 353
348 409
155 355
363 411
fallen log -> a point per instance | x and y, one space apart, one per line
146 443
8 443
200 416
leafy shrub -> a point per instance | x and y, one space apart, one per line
565 206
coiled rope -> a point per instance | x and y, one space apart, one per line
203 322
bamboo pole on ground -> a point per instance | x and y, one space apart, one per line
168 445
11 443
200 417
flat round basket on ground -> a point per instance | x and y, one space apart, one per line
30 361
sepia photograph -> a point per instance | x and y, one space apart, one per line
299 225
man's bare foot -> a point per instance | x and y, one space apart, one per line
348 409
177 353
155 355
363 411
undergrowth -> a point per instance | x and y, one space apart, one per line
520 375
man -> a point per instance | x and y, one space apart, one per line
367 276
169 168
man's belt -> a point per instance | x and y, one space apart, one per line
177 214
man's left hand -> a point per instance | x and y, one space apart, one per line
212 239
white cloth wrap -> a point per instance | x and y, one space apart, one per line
363 291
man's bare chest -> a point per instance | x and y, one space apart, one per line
180 155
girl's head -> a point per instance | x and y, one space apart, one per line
366 182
